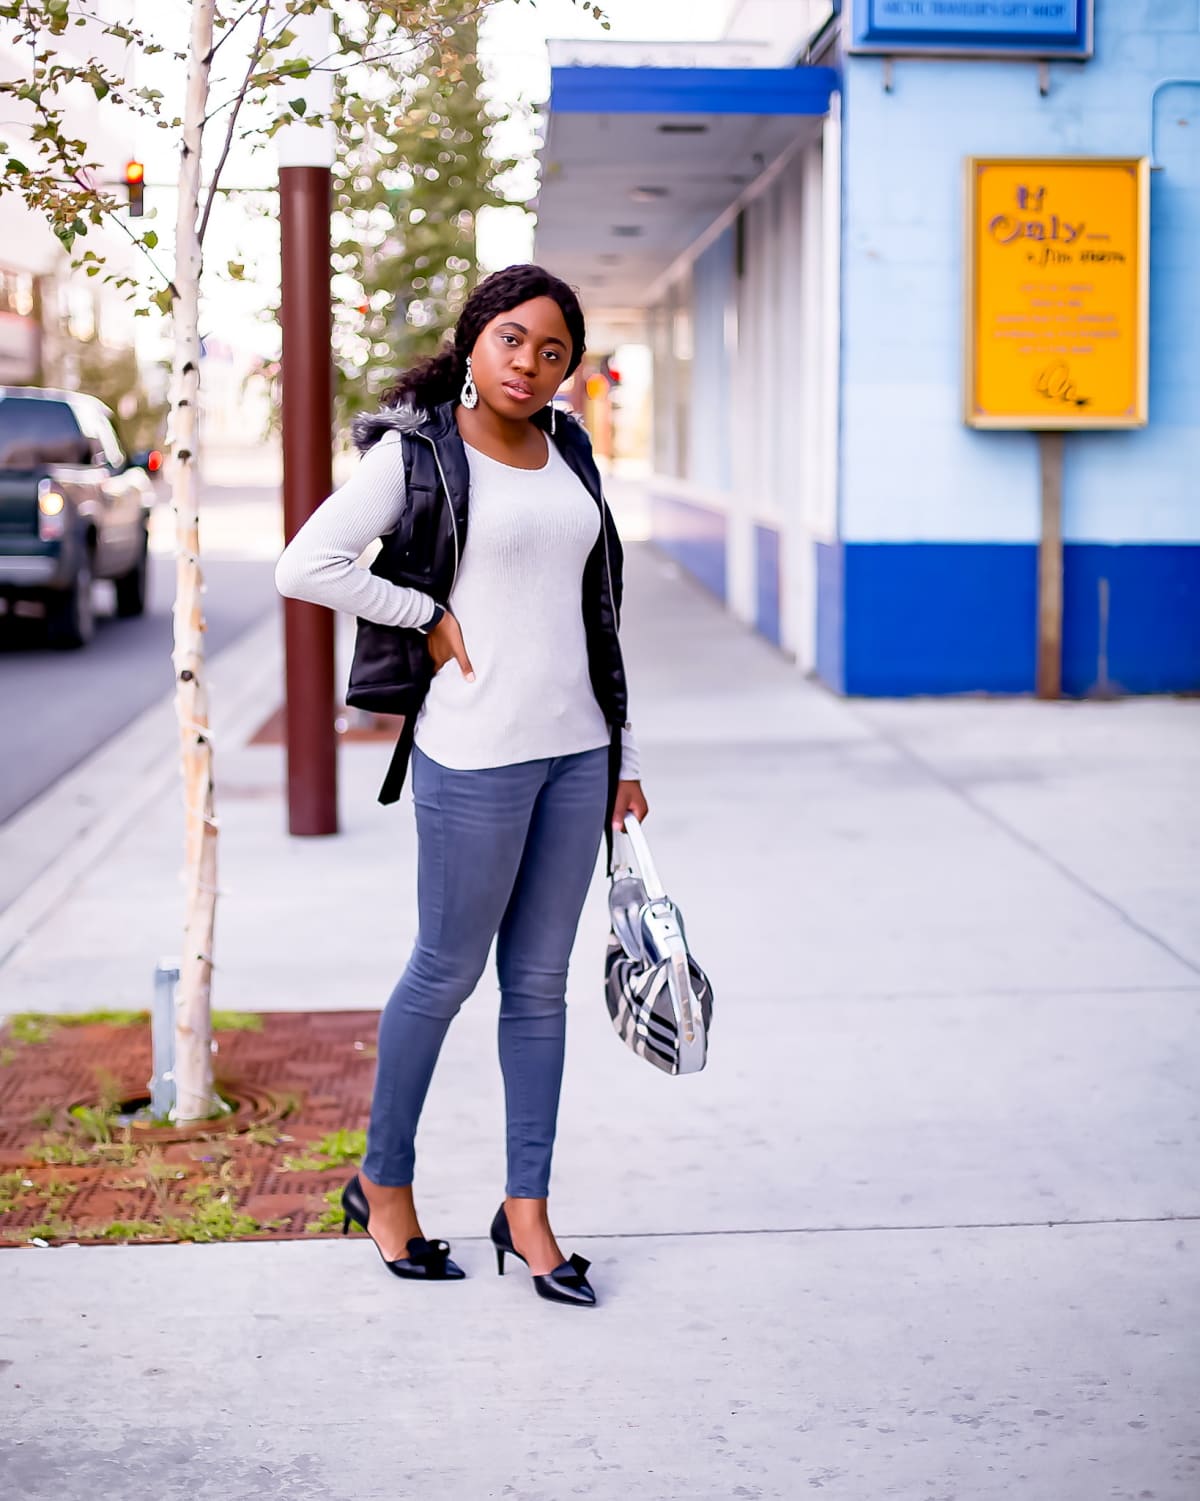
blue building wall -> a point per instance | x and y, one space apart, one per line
932 585
696 536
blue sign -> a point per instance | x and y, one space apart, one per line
1012 28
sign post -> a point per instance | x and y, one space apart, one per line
1050 567
1057 305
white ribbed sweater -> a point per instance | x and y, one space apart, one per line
517 598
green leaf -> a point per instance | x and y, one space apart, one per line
162 299
298 105
99 88
15 166
236 270
150 240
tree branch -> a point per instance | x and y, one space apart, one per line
255 54
230 29
125 229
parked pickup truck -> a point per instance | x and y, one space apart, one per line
73 508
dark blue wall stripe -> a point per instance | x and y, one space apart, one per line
1150 641
691 91
942 617
766 579
695 536
939 618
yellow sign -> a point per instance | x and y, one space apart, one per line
1057 292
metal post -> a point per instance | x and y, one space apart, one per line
305 202
1050 568
162 1041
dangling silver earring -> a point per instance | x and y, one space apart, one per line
469 396
553 409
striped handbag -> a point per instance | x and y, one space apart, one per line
658 997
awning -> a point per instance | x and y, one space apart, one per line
639 161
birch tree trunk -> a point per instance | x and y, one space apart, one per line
193 1027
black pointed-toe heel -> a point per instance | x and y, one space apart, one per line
428 1260
567 1283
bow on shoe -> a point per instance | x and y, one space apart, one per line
431 1255
577 1275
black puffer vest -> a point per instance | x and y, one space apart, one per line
392 669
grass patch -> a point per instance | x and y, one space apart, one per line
236 1021
127 1230
332 1216
214 1215
39 1026
334 1150
61 1151
94 1122
51 1196
13 1186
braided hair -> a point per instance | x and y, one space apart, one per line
440 377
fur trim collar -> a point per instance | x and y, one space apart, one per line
368 427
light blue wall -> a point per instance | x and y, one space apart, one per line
910 470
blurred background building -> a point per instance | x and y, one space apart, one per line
55 324
779 217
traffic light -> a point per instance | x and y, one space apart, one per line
135 183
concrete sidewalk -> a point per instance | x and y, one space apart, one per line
925 1228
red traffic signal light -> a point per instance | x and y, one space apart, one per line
135 183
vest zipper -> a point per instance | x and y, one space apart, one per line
612 603
450 505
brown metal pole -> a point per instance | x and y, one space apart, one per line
1050 568
305 203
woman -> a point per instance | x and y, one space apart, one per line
516 719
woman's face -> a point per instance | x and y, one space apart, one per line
521 356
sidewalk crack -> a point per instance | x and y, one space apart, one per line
997 821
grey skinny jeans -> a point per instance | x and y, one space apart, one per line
508 850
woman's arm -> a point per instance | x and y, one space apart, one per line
631 757
319 564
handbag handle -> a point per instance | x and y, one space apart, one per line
645 860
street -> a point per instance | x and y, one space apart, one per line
59 707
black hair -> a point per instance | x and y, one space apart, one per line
440 377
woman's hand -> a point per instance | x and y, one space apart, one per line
446 641
629 800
